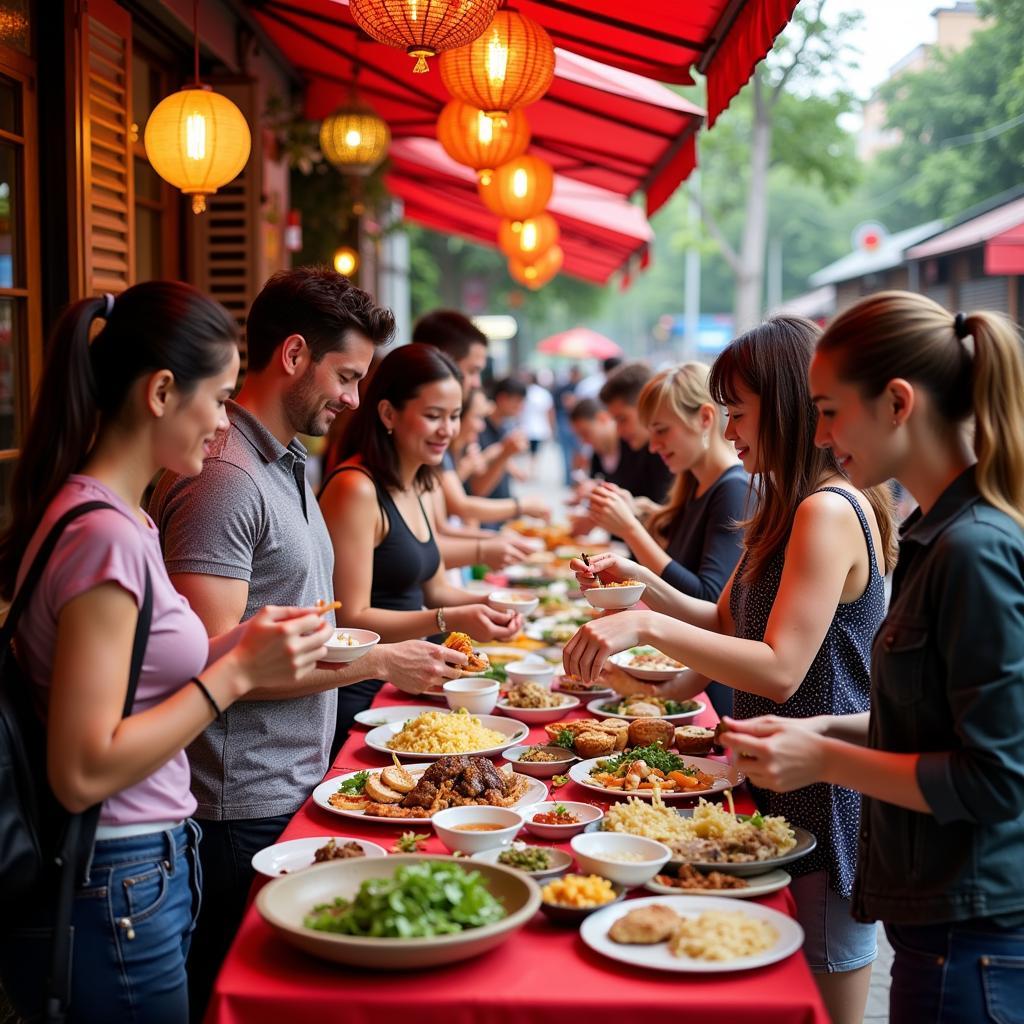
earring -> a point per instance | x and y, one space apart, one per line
705 440
391 430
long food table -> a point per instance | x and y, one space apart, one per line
543 974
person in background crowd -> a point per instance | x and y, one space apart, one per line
538 416
641 473
591 385
459 339
940 759
595 429
147 394
390 576
248 531
501 427
791 632
695 541
564 399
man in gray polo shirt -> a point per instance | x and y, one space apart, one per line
248 532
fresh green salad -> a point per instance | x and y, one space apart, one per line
418 901
496 672
655 756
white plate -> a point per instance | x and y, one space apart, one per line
594 932
536 792
514 732
536 631
597 694
595 708
624 660
580 774
297 854
373 717
539 716
759 885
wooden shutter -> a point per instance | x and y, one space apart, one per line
103 256
226 238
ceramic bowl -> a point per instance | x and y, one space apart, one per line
474 693
562 914
587 813
340 652
446 824
539 716
522 601
596 855
615 597
285 902
531 670
541 769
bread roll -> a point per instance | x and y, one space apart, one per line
645 731
692 739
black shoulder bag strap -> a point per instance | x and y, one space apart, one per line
74 852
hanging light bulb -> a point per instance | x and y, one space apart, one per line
346 260
355 139
197 139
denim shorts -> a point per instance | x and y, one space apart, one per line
969 973
833 941
133 920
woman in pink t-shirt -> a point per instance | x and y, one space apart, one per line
147 394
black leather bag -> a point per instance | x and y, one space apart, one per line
43 847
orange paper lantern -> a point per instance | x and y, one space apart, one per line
519 189
530 240
536 275
472 138
423 28
510 65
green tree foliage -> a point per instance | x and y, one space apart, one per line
961 123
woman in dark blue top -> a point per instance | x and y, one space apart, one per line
940 758
791 631
388 572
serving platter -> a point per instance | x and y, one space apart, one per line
373 717
759 885
597 707
580 774
514 732
536 791
594 932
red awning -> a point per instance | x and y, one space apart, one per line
600 231
999 230
598 124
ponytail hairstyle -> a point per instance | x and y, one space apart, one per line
772 361
398 379
679 391
157 325
970 365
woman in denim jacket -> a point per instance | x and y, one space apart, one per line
940 757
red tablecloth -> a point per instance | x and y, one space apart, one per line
543 975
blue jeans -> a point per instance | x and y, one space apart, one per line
133 921
969 973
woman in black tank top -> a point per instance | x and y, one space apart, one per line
388 572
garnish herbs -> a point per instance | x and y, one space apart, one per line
409 842
355 785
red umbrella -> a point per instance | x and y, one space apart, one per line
579 343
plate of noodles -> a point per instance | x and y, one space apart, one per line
692 934
709 837
434 734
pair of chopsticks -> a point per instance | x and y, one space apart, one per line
586 562
322 607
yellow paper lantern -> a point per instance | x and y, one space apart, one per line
346 260
519 189
472 138
355 139
536 275
510 65
198 140
531 240
423 28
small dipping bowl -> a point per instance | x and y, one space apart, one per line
522 601
531 671
445 825
587 813
596 851
474 693
343 652
615 597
